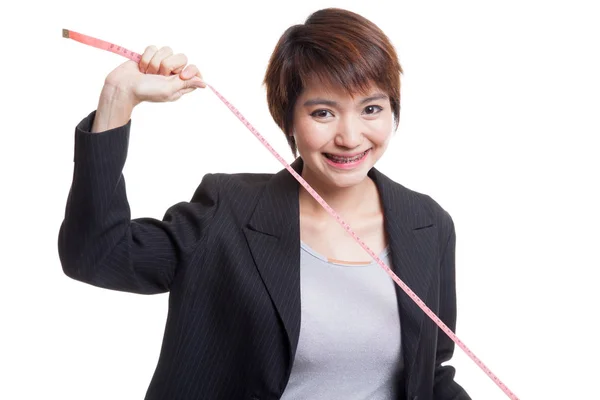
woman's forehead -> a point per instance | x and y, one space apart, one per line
316 88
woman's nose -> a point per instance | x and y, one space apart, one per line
349 133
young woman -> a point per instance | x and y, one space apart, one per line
269 297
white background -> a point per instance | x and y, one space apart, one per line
499 124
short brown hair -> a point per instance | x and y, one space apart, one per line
336 47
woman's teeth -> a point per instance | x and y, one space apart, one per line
344 160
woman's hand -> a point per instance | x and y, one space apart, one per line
160 76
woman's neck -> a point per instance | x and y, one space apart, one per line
348 201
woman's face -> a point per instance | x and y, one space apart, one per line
340 137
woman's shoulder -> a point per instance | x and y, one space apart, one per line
428 202
234 183
241 181
409 197
421 205
236 188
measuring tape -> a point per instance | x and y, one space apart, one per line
101 44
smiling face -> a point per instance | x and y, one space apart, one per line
340 137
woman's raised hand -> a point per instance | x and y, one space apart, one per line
160 76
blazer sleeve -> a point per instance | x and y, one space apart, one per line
445 388
99 243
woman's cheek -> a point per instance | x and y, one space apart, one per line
314 135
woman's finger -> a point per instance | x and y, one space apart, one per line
190 71
179 87
158 58
146 57
178 84
173 64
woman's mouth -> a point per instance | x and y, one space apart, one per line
345 162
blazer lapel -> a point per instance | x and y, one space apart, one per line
273 235
412 239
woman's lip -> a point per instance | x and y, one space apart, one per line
347 165
348 155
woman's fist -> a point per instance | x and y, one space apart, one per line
160 76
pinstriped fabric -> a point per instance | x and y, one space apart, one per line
230 259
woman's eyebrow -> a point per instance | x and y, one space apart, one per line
331 103
376 96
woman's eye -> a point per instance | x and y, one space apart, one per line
373 109
320 113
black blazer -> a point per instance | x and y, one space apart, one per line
230 260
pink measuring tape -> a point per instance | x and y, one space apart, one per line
101 44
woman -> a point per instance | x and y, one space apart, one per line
269 297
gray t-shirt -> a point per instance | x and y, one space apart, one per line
349 344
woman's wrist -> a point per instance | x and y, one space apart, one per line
114 108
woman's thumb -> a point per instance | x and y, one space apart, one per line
193 83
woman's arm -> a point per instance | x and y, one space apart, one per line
100 244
